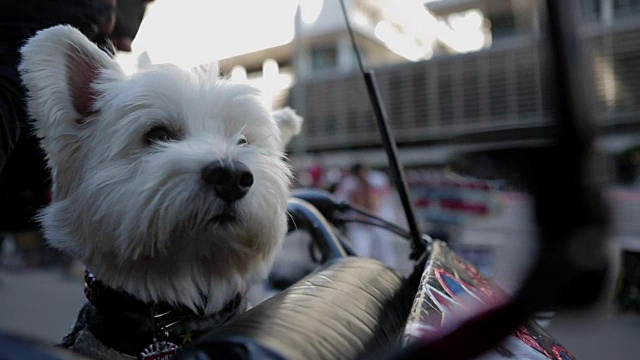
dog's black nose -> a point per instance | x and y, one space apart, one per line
230 179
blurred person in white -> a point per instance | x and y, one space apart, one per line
369 189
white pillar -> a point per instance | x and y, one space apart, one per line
607 12
344 52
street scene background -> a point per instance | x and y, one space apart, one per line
466 87
42 303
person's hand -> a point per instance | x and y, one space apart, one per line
128 18
107 17
117 21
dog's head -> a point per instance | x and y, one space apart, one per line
157 171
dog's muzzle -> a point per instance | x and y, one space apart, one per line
231 180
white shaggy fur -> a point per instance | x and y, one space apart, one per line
137 213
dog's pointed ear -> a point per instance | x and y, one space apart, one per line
58 68
144 61
289 124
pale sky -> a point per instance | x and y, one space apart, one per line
193 32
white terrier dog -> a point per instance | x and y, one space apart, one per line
169 185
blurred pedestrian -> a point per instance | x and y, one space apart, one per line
333 179
369 190
386 209
316 172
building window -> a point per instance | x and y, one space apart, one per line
419 96
330 125
591 9
628 285
502 25
323 58
626 7
353 123
396 108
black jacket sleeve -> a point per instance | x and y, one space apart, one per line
11 116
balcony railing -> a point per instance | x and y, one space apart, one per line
483 92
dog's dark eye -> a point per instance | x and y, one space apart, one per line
158 134
243 141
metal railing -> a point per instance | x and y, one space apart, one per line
492 90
